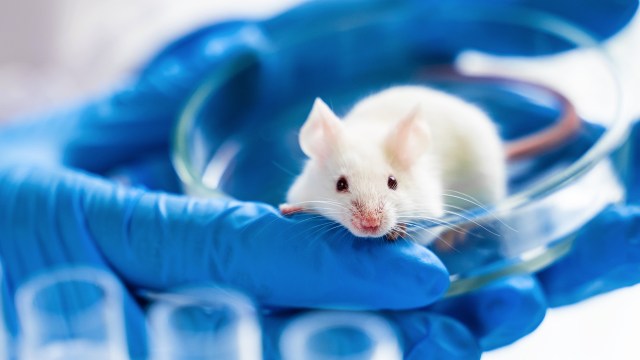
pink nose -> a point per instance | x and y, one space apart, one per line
370 222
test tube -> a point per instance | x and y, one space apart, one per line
72 314
205 323
338 335
5 339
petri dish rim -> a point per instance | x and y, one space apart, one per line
613 137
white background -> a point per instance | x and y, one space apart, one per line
55 51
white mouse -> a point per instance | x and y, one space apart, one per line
402 155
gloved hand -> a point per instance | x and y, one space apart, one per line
58 208
52 215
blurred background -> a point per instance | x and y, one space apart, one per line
58 52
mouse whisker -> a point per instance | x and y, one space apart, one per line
475 202
460 215
314 205
466 197
323 229
341 231
330 210
316 202
337 204
317 231
462 196
448 226
473 221
430 220
313 217
436 236
421 216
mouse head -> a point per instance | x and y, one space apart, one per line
369 183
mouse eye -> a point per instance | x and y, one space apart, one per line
342 185
392 183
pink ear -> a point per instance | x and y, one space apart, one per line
408 140
321 132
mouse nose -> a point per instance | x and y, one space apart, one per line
370 222
367 217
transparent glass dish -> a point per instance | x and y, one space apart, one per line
237 135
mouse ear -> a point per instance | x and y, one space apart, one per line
408 140
320 132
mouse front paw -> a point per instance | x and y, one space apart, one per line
288 209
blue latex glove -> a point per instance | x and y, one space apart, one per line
57 208
53 216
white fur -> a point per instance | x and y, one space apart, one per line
463 153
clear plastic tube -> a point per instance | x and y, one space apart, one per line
204 323
335 335
5 338
72 313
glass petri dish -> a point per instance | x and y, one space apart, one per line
237 135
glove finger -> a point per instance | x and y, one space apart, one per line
499 313
605 256
159 241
